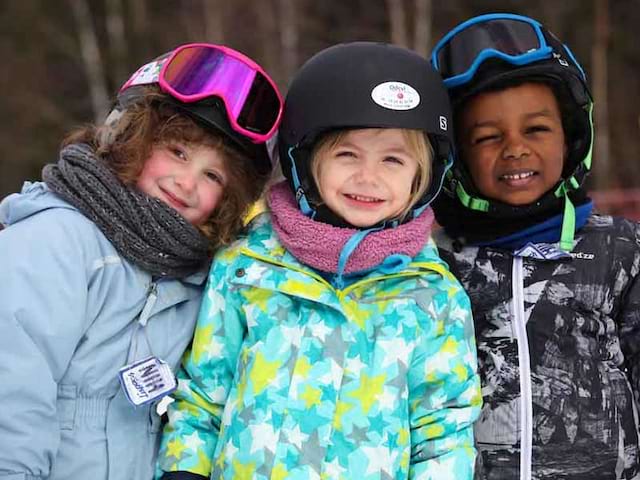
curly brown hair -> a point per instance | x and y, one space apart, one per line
126 144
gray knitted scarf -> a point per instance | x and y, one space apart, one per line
143 229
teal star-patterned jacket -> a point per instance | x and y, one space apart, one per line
289 378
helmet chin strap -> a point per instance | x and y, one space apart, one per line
567 234
301 198
569 212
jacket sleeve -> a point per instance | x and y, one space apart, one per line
43 295
628 318
444 391
204 381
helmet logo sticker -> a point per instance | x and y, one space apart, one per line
148 73
561 60
395 96
443 123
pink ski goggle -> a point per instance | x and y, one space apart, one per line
196 71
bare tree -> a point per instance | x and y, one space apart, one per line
140 21
422 27
92 58
116 35
214 13
397 22
193 24
553 15
288 36
600 61
269 50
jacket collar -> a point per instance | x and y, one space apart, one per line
264 242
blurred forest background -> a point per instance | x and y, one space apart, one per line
64 60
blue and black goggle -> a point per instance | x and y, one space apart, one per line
515 39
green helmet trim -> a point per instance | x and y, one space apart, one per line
587 158
567 234
471 202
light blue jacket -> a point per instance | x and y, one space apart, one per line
68 308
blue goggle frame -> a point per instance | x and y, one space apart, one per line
534 53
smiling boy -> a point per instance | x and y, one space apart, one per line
553 286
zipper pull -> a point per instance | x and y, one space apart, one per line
152 296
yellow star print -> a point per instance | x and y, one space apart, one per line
460 371
262 373
312 290
201 340
450 346
434 431
175 448
311 396
243 472
220 460
203 467
302 367
341 408
279 472
257 297
368 391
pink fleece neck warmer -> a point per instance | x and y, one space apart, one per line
318 244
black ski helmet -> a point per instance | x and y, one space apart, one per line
362 85
484 41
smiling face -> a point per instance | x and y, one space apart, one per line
189 178
513 142
367 175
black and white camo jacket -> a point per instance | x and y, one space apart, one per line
559 355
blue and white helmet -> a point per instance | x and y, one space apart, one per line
495 51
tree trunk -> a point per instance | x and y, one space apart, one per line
601 164
554 15
192 22
269 50
422 29
214 11
140 21
397 22
91 58
117 43
288 36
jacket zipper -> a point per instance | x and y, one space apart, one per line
141 323
152 296
526 410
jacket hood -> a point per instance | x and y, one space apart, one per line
34 198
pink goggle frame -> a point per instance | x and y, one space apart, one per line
197 71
